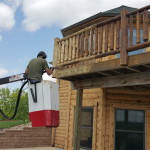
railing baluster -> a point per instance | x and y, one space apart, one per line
138 28
66 49
112 36
62 51
70 48
118 35
145 25
76 46
91 42
100 39
86 43
59 53
73 47
96 40
79 45
106 38
82 45
131 30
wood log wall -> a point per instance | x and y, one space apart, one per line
104 103
61 131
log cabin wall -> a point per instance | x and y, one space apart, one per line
64 99
104 103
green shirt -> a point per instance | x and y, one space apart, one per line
36 67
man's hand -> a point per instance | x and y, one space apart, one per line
25 75
49 71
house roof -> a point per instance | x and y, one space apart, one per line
120 8
108 13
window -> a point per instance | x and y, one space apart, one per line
134 42
129 129
86 128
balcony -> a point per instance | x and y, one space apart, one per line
103 52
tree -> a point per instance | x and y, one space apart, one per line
8 103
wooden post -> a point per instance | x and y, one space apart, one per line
124 38
145 25
56 53
53 137
77 121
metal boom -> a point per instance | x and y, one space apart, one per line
12 78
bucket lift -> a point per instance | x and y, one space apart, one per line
43 99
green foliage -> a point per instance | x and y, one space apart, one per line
8 103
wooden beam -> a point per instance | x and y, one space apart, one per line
141 78
77 121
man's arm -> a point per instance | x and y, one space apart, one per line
26 71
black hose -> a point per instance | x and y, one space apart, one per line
17 104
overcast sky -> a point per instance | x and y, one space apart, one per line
29 26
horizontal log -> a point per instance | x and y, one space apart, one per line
124 91
128 97
138 46
87 91
87 96
109 21
115 81
77 33
112 101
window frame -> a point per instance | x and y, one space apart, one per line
88 127
130 131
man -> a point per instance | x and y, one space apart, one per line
37 66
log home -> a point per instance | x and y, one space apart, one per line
103 67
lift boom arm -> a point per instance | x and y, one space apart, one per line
12 78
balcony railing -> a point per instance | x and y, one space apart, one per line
127 32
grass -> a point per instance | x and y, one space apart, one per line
11 123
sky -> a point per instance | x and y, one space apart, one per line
29 26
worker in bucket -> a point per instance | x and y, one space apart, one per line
37 66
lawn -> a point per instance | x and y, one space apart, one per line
11 123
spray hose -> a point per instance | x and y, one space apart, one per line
17 104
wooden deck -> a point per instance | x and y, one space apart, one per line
98 57
80 57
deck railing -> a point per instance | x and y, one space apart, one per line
121 34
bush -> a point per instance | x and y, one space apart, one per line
8 104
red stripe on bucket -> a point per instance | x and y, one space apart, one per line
44 118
